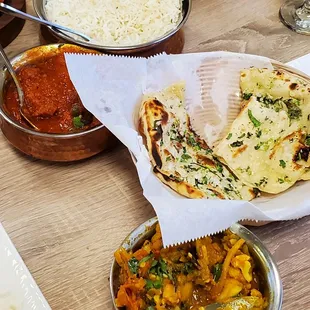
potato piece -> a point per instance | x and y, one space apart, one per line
186 291
170 295
232 288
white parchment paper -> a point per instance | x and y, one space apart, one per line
111 87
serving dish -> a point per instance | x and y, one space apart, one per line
48 146
18 289
262 257
171 42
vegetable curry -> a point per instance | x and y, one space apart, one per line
190 276
51 101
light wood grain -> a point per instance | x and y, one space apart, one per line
66 220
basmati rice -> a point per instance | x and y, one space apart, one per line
116 22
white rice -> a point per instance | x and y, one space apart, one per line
116 22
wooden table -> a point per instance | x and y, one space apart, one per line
66 220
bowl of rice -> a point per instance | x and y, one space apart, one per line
119 26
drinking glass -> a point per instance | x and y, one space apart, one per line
296 15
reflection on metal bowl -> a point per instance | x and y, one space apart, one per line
262 257
48 146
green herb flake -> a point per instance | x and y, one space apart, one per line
193 143
77 122
307 140
229 136
197 183
219 167
146 258
249 135
149 284
248 170
246 96
236 144
258 133
188 268
227 190
205 180
133 265
281 181
242 136
217 271
168 158
263 181
185 157
282 163
255 122
294 111
264 146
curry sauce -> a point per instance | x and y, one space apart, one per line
51 100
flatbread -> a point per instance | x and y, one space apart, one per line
268 144
181 159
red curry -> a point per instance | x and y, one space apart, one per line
52 102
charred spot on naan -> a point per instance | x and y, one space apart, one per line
141 130
293 86
156 155
302 155
202 159
300 152
178 185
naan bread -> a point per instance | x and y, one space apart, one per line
268 143
306 175
180 158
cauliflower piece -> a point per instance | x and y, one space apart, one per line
235 273
243 263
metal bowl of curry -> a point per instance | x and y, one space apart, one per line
66 130
229 269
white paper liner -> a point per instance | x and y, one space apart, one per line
111 87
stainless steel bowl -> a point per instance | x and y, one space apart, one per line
263 258
186 8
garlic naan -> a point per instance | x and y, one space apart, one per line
268 144
180 158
